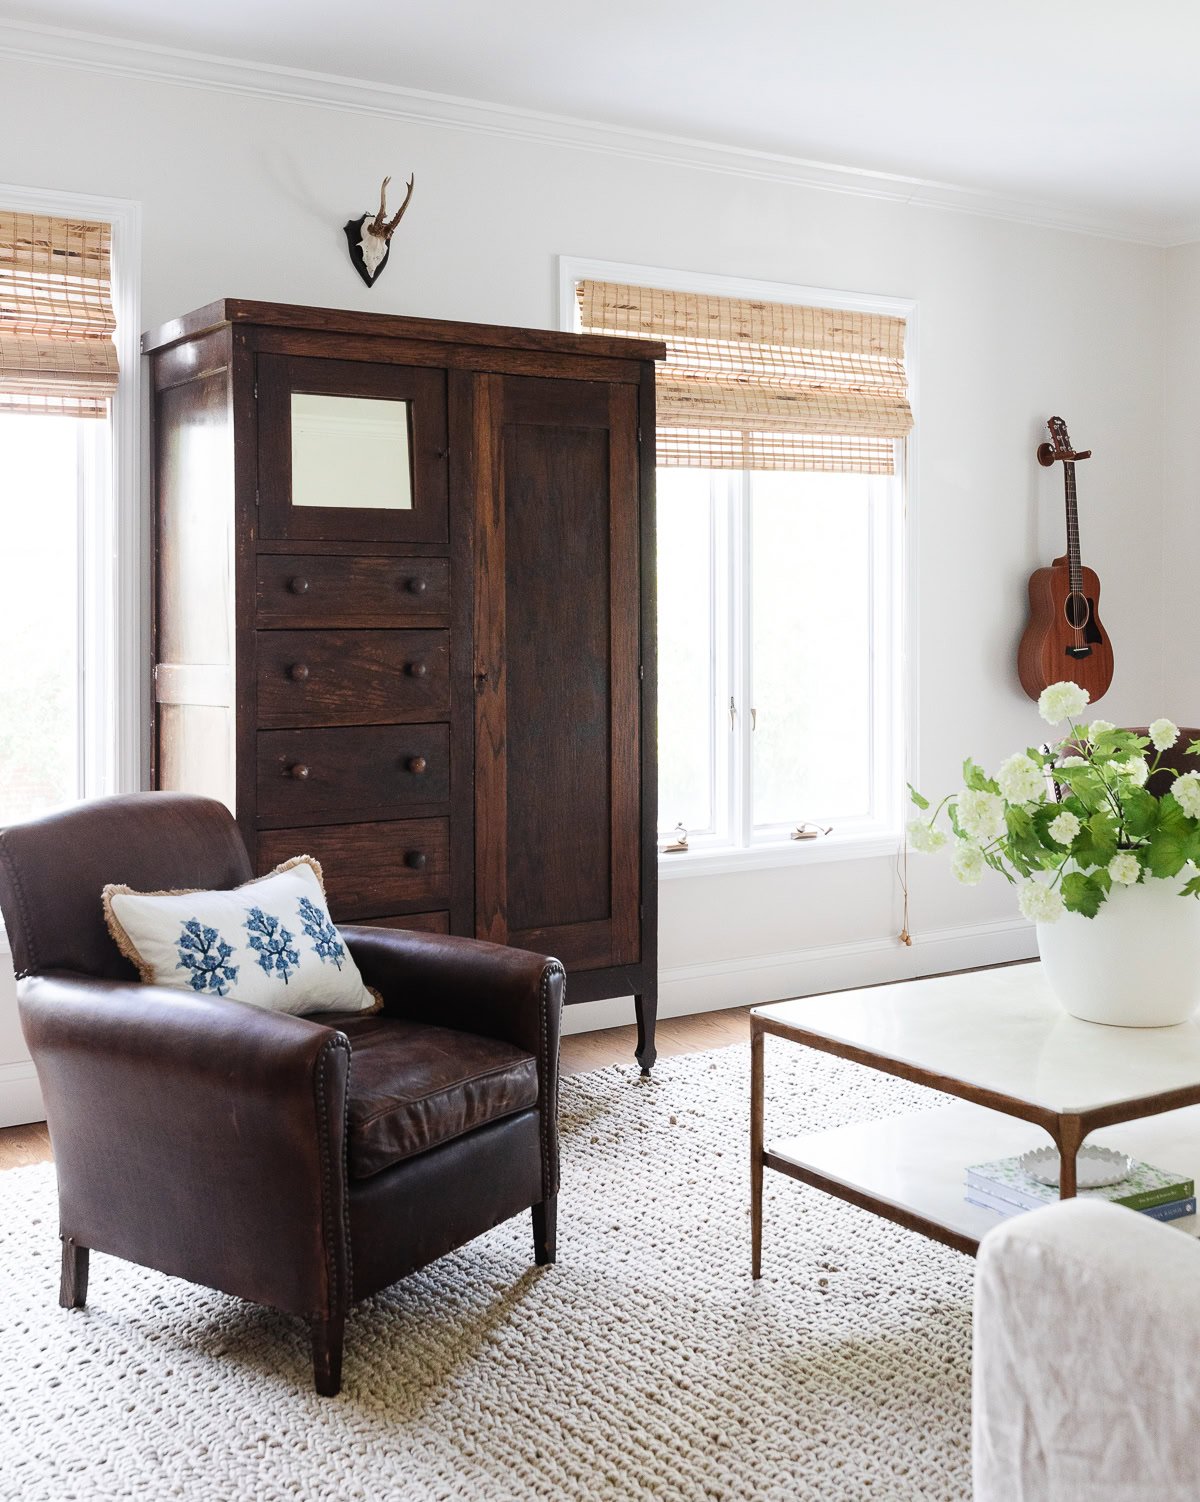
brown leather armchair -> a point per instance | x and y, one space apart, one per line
297 1163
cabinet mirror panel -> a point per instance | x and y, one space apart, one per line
351 452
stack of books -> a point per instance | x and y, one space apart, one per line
1003 1186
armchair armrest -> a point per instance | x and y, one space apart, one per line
476 987
466 984
195 1134
1085 1377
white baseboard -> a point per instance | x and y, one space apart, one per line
20 1096
760 978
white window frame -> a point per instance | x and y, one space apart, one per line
114 600
894 621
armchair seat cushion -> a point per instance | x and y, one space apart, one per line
413 1086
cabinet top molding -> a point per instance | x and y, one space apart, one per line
231 311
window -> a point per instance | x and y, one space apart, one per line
69 563
777 651
782 424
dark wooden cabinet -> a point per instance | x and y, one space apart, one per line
404 619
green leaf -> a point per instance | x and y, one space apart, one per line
977 779
1141 812
1082 894
1167 852
916 797
1191 888
1096 842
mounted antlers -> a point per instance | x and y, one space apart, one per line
382 226
369 237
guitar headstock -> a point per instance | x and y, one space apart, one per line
1059 446
1060 439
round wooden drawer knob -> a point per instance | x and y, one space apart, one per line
417 670
415 860
299 771
417 765
416 585
298 586
298 672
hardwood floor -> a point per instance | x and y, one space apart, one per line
580 1052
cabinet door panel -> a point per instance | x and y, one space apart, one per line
351 451
557 632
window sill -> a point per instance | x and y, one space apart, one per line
786 854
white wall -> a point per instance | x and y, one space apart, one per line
1181 488
246 197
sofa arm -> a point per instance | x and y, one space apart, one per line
196 1135
476 987
1086 1384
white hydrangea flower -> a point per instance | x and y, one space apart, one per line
1163 735
1125 868
1064 829
1062 701
1187 793
981 815
1074 761
1137 769
1021 780
967 862
1039 903
1098 728
925 837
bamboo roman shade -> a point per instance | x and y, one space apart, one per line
56 318
761 385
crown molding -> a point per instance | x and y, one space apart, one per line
100 54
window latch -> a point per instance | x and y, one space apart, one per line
753 719
732 713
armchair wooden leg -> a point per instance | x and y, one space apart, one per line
328 1336
72 1291
545 1231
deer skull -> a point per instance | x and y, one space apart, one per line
370 237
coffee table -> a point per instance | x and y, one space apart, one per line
1019 1066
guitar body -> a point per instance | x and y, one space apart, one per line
1064 637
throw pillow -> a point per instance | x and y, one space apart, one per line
270 942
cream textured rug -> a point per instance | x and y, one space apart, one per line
644 1365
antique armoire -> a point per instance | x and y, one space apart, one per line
404 619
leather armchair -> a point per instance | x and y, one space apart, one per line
298 1163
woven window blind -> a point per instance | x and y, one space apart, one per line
57 354
760 385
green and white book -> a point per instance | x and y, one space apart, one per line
1145 1186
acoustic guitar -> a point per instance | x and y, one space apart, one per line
1064 638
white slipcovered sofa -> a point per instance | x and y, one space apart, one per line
1087 1359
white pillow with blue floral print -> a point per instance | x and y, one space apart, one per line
270 943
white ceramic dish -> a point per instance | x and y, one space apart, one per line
1095 1167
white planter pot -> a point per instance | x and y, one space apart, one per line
1135 964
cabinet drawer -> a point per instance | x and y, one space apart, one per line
352 677
311 774
370 869
294 590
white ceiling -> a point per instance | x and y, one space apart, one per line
1093 105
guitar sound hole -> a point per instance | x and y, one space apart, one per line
1077 609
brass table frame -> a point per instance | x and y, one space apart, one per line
1066 1129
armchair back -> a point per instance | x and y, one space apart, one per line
52 871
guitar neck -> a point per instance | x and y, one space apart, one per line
1073 559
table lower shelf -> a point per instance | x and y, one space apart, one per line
912 1169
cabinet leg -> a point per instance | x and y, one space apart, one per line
545 1231
72 1291
645 1009
328 1337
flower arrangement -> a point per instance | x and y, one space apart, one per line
1105 827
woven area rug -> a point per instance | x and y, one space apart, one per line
644 1365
